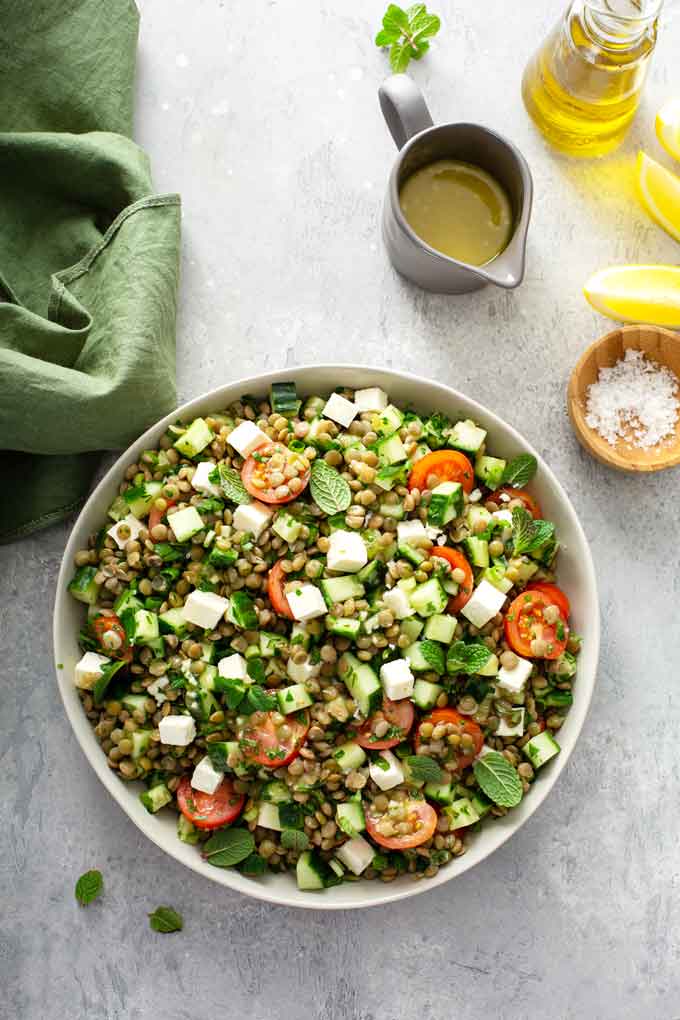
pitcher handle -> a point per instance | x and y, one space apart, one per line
404 108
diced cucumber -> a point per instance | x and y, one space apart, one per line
241 611
478 551
271 644
350 817
118 509
339 589
83 586
195 439
362 683
407 584
127 600
172 622
155 798
419 662
425 693
477 515
268 816
411 628
541 749
372 574
134 703
481 804
187 831
284 399
310 871
388 421
391 450
349 756
335 866
277 792
441 627
439 792
461 813
186 523
429 598
208 651
146 627
300 636
226 748
491 666
343 626
207 678
547 552
390 475
293 698
200 703
139 498
222 558
394 510
490 470
523 567
467 436
141 741
287 527
411 553
446 502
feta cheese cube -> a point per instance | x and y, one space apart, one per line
233 667
485 602
156 689
389 775
347 551
370 399
246 437
516 729
412 533
268 816
397 602
89 669
204 608
201 479
177 730
129 522
299 672
306 602
205 777
503 515
397 679
356 854
340 410
252 518
513 680
433 533
186 523
484 749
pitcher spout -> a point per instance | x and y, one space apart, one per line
507 269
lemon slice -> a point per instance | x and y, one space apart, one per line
668 127
637 294
659 193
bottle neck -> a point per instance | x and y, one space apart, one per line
619 24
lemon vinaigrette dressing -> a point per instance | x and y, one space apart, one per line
583 86
459 209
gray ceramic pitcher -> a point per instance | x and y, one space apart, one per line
421 142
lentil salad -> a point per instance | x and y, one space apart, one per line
317 627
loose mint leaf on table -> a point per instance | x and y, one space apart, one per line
520 471
294 839
230 482
228 847
470 658
89 887
406 33
165 919
424 768
498 779
527 534
330 491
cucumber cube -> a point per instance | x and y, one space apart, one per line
461 813
287 527
467 436
349 756
429 598
541 749
446 503
195 439
387 421
425 694
441 627
139 498
146 627
391 450
83 586
478 551
292 699
186 523
490 470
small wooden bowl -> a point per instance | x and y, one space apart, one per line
659 345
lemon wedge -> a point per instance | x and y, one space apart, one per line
659 191
668 127
637 294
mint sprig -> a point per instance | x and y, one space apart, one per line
529 535
520 471
467 658
230 482
406 32
433 653
330 491
498 779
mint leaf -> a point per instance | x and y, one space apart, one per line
165 919
406 33
228 847
528 534
470 658
294 839
424 768
218 756
543 532
291 815
400 56
395 19
498 779
433 653
520 471
232 486
89 887
329 490
253 865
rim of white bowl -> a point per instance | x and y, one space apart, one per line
402 888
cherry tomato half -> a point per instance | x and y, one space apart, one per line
422 817
110 635
156 516
268 473
273 744
458 562
209 810
524 622
556 596
399 714
450 715
529 502
277 596
447 465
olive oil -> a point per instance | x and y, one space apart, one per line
459 209
583 86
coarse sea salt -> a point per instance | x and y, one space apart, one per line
635 400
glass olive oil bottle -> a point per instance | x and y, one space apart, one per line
583 86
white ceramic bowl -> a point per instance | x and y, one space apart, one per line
576 575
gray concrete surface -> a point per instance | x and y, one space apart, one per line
264 116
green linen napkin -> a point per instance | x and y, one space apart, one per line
88 257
